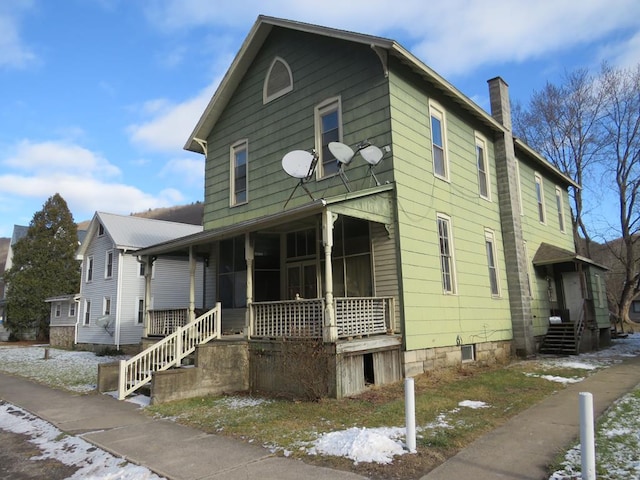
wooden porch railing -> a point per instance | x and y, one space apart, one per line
165 322
355 316
168 352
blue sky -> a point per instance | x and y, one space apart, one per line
97 97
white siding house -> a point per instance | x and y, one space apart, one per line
111 303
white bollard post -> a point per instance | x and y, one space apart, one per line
587 439
410 413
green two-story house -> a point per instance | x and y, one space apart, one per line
355 197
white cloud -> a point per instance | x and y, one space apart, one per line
170 124
13 52
189 170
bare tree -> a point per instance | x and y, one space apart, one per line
621 122
561 122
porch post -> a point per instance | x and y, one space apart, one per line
249 254
148 265
330 330
192 285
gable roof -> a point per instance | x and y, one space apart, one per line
19 232
131 233
382 46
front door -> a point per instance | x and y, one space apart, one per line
302 280
572 290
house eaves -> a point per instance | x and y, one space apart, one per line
548 166
548 254
382 46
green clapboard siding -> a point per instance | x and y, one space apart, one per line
472 315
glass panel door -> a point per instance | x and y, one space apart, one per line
302 280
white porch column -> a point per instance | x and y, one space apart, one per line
249 254
330 330
192 285
148 265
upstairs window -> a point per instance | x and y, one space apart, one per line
446 254
540 198
108 264
100 229
438 142
560 206
328 121
239 167
278 82
483 168
89 273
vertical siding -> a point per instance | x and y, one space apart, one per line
385 267
433 319
322 68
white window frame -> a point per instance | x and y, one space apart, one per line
87 312
266 98
108 264
89 270
471 349
57 309
539 193
72 309
438 113
138 312
444 256
106 305
330 105
239 146
490 245
560 204
482 165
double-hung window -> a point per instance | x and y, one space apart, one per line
58 309
328 124
239 172
72 309
560 206
483 168
108 264
540 198
89 272
140 311
87 312
490 244
447 264
438 142
106 306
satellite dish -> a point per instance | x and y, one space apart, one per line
343 153
298 164
372 154
103 321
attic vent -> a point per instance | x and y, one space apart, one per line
278 82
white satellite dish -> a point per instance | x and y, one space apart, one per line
298 164
103 321
343 153
372 154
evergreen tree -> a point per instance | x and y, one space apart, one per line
44 265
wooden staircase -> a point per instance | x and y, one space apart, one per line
170 352
561 339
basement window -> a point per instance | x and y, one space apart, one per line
468 353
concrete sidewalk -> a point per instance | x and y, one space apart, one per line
519 450
164 447
523 448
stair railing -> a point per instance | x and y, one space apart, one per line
579 327
168 352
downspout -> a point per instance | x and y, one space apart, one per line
119 298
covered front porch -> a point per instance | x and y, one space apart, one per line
322 274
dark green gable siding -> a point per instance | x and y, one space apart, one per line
322 68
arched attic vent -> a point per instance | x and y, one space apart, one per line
278 82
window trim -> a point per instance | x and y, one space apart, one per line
72 309
266 98
108 266
238 146
89 269
57 309
562 223
482 143
490 238
539 191
87 312
138 316
441 217
436 111
100 229
106 305
328 105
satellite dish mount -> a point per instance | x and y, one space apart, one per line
300 164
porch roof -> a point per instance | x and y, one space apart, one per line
548 254
373 204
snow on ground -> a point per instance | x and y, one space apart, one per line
91 462
379 445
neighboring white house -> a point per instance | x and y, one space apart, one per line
19 231
111 304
